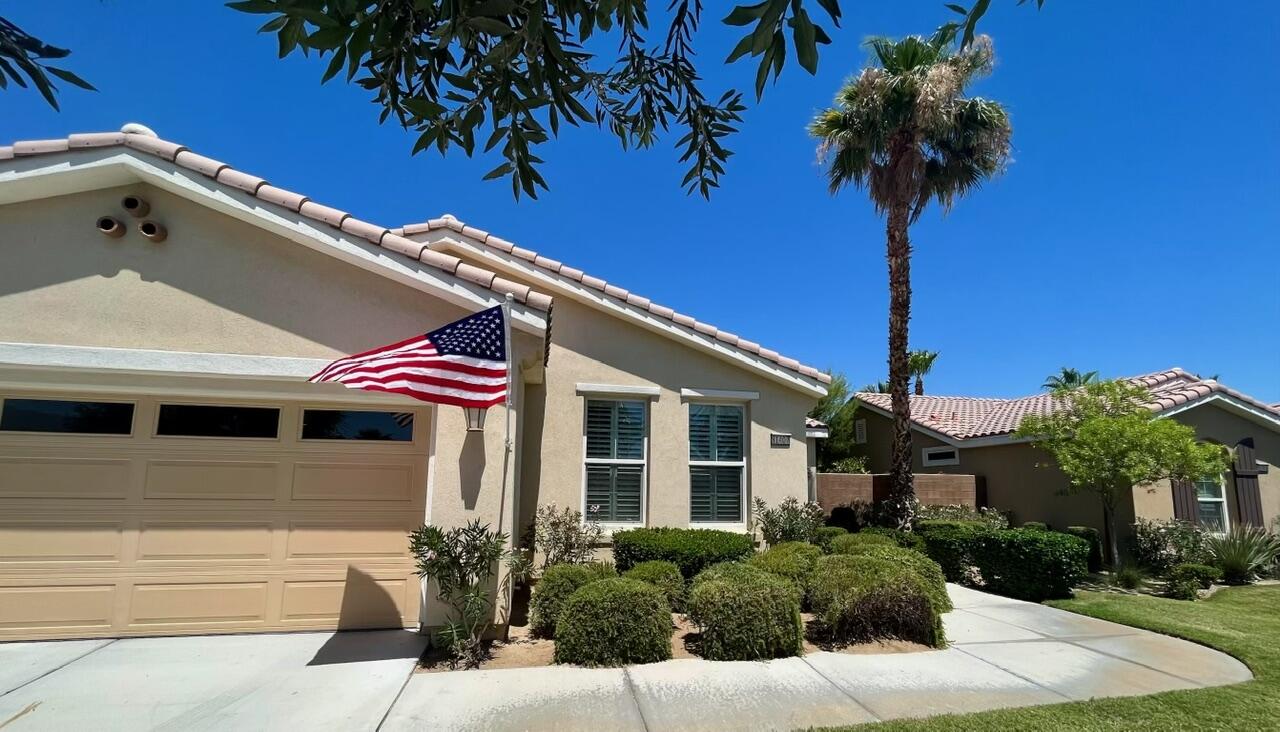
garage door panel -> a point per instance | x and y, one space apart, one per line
204 541
54 478
212 479
50 540
353 482
205 604
351 602
350 540
71 608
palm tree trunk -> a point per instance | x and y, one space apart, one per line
902 492
919 378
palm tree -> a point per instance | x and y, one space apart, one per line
902 131
880 387
920 363
1069 379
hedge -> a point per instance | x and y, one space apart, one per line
791 560
558 582
614 622
745 614
843 544
1029 564
860 598
1094 537
692 550
926 568
951 545
904 539
663 575
823 536
1186 580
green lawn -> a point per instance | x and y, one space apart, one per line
1243 621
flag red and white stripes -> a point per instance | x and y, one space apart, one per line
463 364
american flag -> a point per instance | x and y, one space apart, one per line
463 363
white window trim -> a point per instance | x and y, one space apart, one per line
1226 509
734 395
859 431
927 461
718 398
612 526
617 390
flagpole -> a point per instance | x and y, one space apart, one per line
506 457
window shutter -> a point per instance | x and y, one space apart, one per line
599 429
728 433
627 483
728 494
600 492
629 431
1186 506
700 421
701 494
715 494
1248 496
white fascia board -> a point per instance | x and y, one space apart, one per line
560 285
43 176
726 394
820 434
1231 404
651 392
146 360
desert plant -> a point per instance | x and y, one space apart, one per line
864 598
791 560
692 550
988 517
663 575
1160 545
823 536
563 537
1032 565
614 622
1128 577
926 568
461 562
790 520
1094 537
745 613
842 544
1242 553
558 583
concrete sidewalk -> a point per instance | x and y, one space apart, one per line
1004 653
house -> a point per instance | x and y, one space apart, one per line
975 436
166 468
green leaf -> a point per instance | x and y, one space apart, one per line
335 65
498 172
70 78
740 50
490 26
806 41
745 14
424 108
327 39
255 6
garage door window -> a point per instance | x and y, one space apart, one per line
189 420
343 424
56 415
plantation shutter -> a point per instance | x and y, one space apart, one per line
1248 496
616 490
1186 506
700 427
716 494
615 433
715 436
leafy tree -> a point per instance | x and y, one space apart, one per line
837 410
903 131
449 70
920 363
23 58
1068 378
1105 441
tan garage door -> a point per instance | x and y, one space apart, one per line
156 516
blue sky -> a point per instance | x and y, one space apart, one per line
1136 229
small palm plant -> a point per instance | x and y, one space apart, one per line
1069 378
920 363
1243 553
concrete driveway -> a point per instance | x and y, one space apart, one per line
1004 653
316 681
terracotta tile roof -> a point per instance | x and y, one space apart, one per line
296 202
966 418
814 424
449 223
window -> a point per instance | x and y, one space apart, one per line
716 463
931 456
859 431
1211 504
616 442
189 420
342 424
56 415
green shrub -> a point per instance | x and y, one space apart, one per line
1031 565
692 550
987 517
853 516
663 575
790 520
951 545
1035 526
1129 577
1186 580
614 622
1243 553
792 560
823 536
904 539
842 544
558 582
1094 537
1160 545
745 613
864 598
928 569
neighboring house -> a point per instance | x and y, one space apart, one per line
166 468
974 436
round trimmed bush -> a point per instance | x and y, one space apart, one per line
663 575
952 545
792 560
692 550
1094 537
926 568
848 542
1029 564
904 539
558 582
614 622
823 536
745 613
860 598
